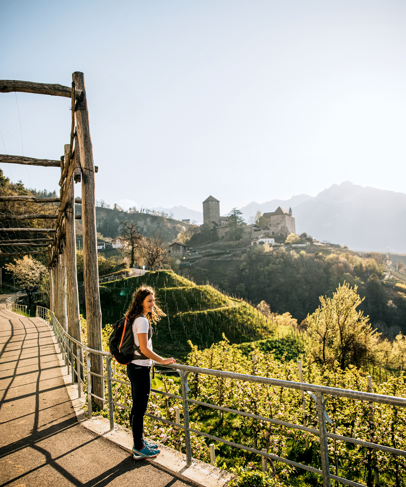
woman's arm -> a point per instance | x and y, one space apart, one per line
143 339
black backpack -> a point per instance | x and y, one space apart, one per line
121 342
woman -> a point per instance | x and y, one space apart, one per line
141 311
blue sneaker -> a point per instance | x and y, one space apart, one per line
151 444
145 453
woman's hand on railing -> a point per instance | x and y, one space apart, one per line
169 361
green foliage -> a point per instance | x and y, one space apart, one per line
350 417
292 238
251 477
106 266
28 274
289 347
338 332
292 282
235 224
198 313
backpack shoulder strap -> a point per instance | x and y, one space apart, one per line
136 348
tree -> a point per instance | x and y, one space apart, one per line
132 237
27 273
154 251
292 238
340 333
235 224
264 308
258 215
186 234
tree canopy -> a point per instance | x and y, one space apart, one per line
338 332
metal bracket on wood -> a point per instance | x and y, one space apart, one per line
80 102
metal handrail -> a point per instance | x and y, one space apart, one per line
317 392
12 305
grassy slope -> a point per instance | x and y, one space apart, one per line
197 313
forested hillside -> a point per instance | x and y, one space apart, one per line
293 282
109 223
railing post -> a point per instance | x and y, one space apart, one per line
323 440
177 412
212 454
371 419
110 388
89 386
264 461
72 363
185 388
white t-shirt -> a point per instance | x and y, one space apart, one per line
141 325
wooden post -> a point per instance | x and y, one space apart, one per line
51 289
62 291
70 254
56 288
91 271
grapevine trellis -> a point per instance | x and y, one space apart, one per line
59 240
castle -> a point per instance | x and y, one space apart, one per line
277 223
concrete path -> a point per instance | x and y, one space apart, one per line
41 442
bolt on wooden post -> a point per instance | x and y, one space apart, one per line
90 264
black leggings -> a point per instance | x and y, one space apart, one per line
140 388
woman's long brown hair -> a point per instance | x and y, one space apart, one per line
135 309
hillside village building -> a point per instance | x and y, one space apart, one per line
277 223
177 249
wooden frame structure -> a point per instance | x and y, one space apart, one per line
76 165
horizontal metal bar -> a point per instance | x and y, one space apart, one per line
97 375
121 405
262 453
345 481
176 425
126 383
254 416
301 386
166 394
97 397
375 446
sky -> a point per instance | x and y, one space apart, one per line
243 100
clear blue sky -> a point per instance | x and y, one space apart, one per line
244 100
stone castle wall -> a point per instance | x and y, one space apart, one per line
211 212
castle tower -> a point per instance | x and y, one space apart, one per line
211 211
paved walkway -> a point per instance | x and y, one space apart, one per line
41 442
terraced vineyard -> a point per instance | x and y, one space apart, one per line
197 313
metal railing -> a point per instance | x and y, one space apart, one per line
12 304
74 363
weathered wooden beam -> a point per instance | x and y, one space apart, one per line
4 254
28 161
51 289
8 86
28 240
63 318
40 216
28 229
31 199
6 244
70 261
91 275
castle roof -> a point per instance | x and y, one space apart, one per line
278 211
210 198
